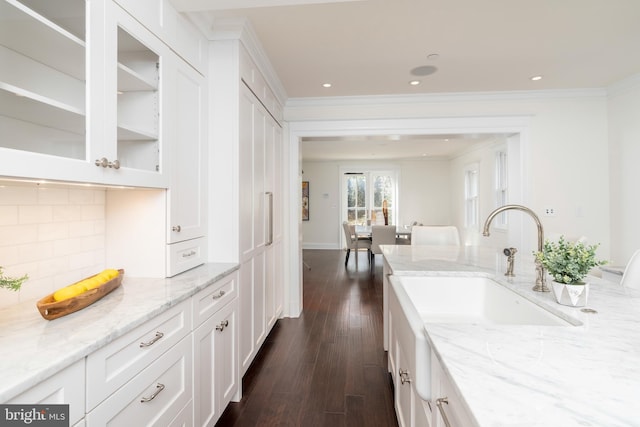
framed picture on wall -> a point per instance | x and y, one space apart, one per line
305 200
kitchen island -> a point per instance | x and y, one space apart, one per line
583 374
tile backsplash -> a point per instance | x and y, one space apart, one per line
53 233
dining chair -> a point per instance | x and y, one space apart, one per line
439 235
381 235
631 275
355 243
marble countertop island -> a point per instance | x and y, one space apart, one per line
536 376
34 348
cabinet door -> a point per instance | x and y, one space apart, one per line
226 347
65 387
187 148
252 173
204 382
404 395
448 402
215 365
141 59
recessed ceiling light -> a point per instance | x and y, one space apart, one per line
536 78
414 82
327 85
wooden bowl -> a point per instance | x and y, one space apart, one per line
51 309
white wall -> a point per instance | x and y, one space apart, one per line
423 194
624 197
565 145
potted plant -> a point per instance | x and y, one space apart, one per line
568 264
11 283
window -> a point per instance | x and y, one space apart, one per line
356 184
501 186
367 194
471 209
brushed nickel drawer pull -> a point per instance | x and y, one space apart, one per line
222 325
159 388
219 295
440 404
404 376
188 254
152 341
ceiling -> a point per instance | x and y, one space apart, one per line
376 47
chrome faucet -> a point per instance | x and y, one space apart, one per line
541 285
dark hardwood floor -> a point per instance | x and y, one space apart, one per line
327 367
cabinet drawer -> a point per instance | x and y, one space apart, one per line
155 397
185 255
216 296
112 366
65 387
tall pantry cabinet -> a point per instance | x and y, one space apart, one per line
246 128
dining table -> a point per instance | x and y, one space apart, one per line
364 231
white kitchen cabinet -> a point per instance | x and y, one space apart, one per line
448 403
165 22
168 227
65 387
249 229
216 373
188 134
186 196
113 366
260 221
411 410
76 103
154 397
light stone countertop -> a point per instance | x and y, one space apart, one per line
536 376
33 348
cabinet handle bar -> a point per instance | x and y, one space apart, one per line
152 341
159 388
440 404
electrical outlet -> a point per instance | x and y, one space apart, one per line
550 212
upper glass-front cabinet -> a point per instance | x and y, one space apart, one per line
138 71
42 77
80 93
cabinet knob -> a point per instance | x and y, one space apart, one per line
105 163
176 228
404 376
222 325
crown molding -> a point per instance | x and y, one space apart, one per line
446 97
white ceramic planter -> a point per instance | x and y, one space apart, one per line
571 295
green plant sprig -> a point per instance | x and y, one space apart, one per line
568 262
11 283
